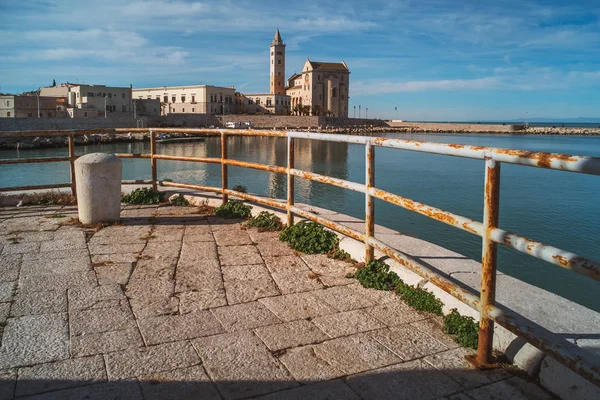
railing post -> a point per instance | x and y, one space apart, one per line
224 179
72 163
488 264
153 160
290 181
369 203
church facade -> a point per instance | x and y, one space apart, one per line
322 88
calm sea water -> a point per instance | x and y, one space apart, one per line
555 207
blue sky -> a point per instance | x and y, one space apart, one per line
434 60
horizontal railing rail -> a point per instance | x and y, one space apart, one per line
568 353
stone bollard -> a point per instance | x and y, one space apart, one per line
98 181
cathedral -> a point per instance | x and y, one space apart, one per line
322 88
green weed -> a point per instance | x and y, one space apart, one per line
233 209
419 299
180 201
310 238
266 221
143 196
464 329
376 275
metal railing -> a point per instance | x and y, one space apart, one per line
492 235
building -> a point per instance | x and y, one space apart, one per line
146 108
262 103
27 106
195 99
320 89
276 101
88 101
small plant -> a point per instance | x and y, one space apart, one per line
464 329
310 238
48 198
240 188
339 254
376 275
233 209
266 221
143 196
419 299
179 201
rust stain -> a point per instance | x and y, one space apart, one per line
561 260
467 227
456 146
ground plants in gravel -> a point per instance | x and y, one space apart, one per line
233 209
419 299
310 238
143 196
265 221
376 275
464 329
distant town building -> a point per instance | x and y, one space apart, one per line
26 106
89 101
320 89
146 108
194 99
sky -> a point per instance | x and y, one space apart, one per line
432 60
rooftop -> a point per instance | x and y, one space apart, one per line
176 303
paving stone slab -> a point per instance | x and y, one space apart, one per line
129 390
120 234
184 383
71 243
35 236
201 299
335 389
245 290
105 342
262 237
158 249
198 237
155 268
346 298
193 253
8 381
356 353
395 313
115 258
285 264
295 306
165 234
49 302
41 283
232 238
331 272
113 273
407 342
7 290
9 267
404 381
55 266
290 334
239 255
24 247
346 323
34 339
143 288
199 228
4 312
198 277
100 320
245 272
434 327
223 224
95 298
151 359
56 254
245 316
274 248
154 306
513 388
116 248
241 365
60 375
306 366
453 364
170 328
296 282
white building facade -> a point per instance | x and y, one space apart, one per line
194 99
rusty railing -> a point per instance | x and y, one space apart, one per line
492 235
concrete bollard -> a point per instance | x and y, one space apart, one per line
98 181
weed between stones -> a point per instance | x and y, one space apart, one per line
143 196
377 275
310 238
233 209
179 200
265 221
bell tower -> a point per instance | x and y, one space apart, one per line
277 76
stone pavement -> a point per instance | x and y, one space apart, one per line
173 304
